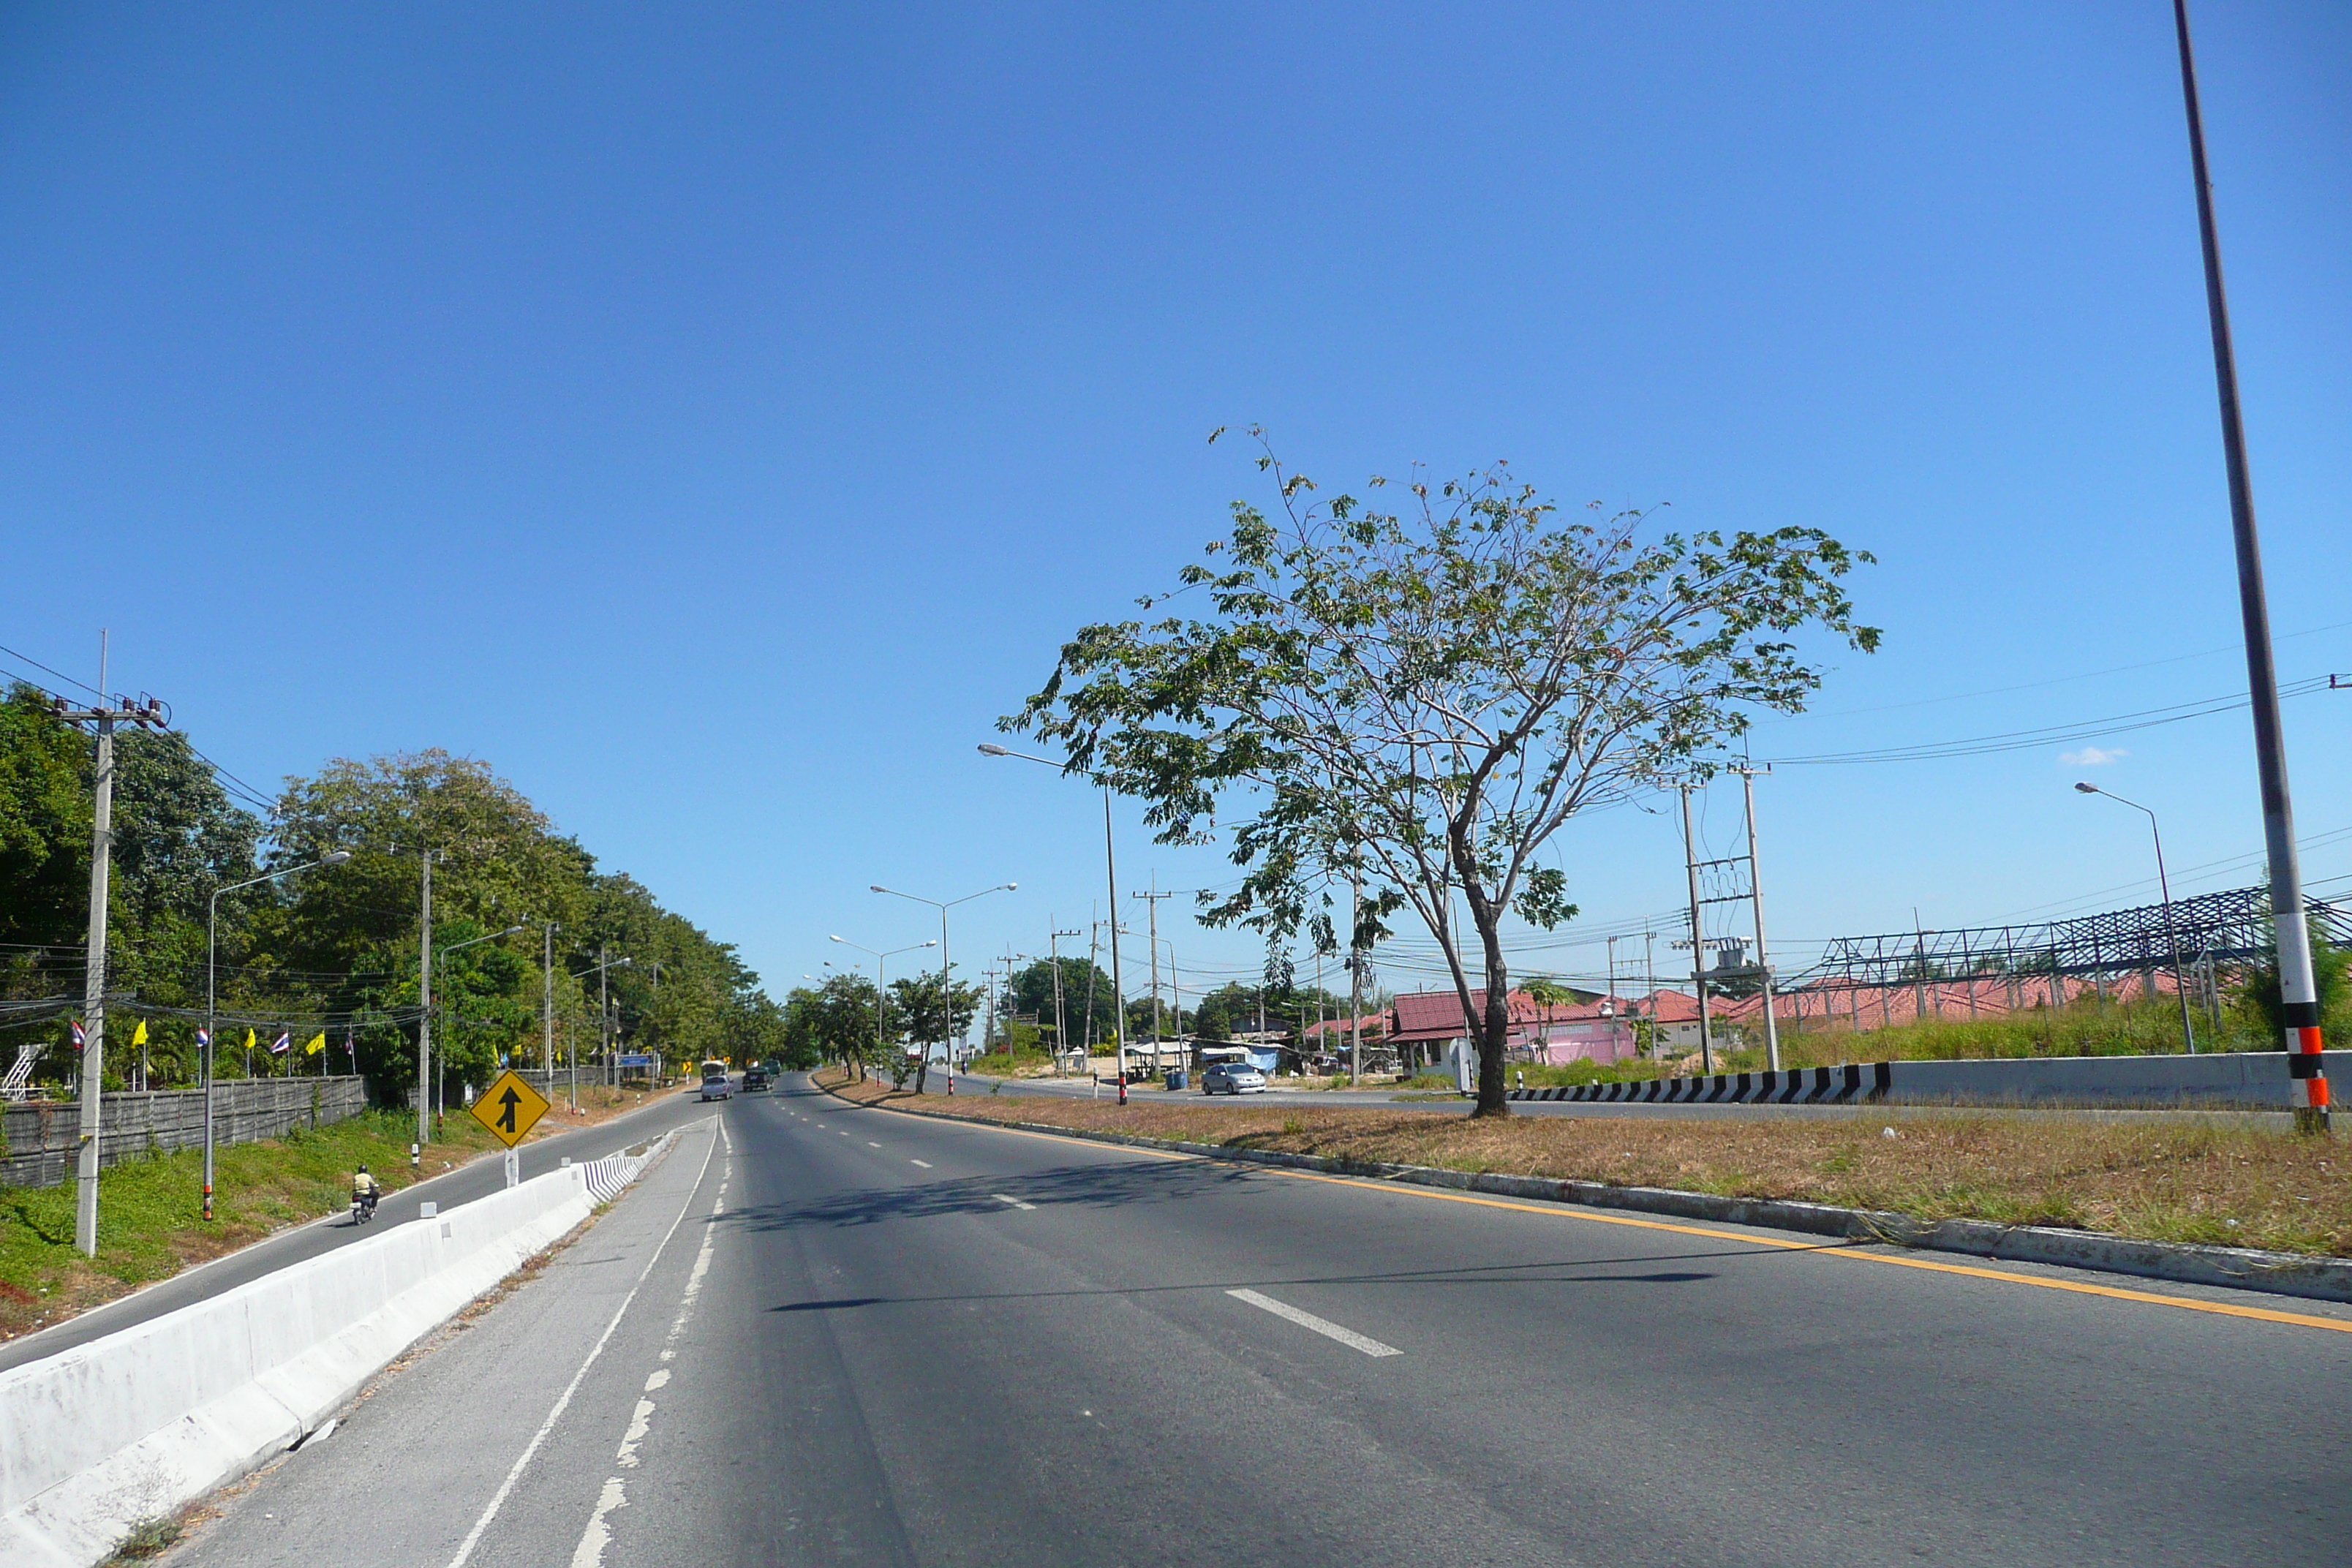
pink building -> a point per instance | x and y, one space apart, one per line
1427 1022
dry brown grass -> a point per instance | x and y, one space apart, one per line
2183 1179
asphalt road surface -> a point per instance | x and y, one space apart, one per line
291 1245
816 1333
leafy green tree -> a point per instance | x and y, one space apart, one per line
177 836
1418 702
45 821
1032 990
934 1016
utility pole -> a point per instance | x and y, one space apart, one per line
1117 1008
1698 941
1152 902
2298 995
425 1005
604 1005
1919 971
1094 949
1650 981
1756 896
91 1074
1355 984
1061 1034
547 1009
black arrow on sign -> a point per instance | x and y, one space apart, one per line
509 1099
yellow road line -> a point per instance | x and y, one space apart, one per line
1818 1250
1850 1251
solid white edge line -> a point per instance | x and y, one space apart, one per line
1328 1330
474 1536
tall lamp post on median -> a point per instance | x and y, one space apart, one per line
212 952
2164 888
1111 875
946 1002
877 958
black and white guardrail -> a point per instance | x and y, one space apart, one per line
2214 1080
1803 1086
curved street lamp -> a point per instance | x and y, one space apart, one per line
946 1004
877 958
2180 980
1111 875
212 952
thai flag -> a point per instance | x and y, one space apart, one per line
79 1040
204 1038
282 1044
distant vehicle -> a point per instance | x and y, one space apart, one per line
1233 1077
716 1084
755 1079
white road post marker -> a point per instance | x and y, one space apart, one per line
1328 1330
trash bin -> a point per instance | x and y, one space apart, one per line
1176 1078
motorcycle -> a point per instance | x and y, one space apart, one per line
363 1207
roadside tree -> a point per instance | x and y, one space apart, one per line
1416 702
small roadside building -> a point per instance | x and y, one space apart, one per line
1426 1025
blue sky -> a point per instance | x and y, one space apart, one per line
715 416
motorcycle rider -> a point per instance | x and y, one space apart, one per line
365 1190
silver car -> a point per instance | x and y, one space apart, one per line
1233 1077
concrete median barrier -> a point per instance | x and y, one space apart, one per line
132 1425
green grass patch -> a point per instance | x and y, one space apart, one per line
1001 1064
150 1210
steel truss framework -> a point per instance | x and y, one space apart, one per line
2230 928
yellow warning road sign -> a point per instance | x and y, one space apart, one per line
510 1108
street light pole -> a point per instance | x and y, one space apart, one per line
947 996
1110 874
445 952
877 957
603 1008
212 1022
2298 993
2164 888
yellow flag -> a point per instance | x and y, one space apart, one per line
248 1039
318 1043
139 1034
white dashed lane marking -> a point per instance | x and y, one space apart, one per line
1016 1203
1324 1326
925 1165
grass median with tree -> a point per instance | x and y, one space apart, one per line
2182 1179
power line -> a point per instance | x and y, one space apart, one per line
2027 739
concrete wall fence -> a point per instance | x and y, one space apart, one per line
132 1425
2215 1081
41 1136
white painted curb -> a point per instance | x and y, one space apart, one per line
132 1425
